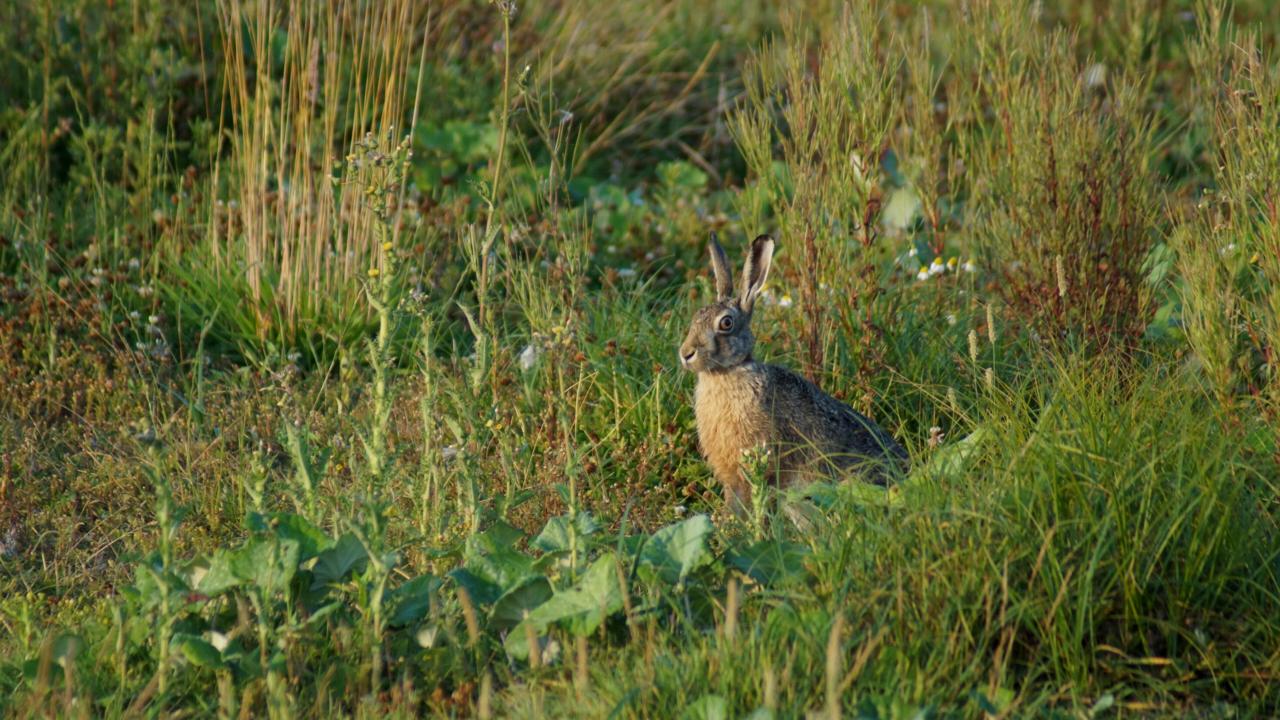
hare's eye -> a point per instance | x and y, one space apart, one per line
726 323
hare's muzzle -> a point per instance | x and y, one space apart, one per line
688 353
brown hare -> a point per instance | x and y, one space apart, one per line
742 404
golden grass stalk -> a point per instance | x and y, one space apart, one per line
303 81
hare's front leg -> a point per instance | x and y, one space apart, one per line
737 494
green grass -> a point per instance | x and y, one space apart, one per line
296 423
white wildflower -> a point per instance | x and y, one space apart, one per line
1095 76
218 640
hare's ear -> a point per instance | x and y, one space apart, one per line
756 271
720 267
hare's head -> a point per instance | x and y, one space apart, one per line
720 335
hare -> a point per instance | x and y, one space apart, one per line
741 404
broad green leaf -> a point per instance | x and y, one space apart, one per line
197 651
509 610
499 536
347 556
995 703
1104 703
771 562
579 609
219 577
677 550
504 568
66 647
950 461
479 590
311 540
555 536
267 562
707 707
681 176
412 601
493 567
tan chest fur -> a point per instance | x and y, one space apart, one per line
730 419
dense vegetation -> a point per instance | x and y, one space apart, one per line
337 357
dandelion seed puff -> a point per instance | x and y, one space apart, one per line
626 272
529 357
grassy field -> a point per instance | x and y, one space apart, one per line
338 367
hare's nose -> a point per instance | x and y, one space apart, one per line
688 355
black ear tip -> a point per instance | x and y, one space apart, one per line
762 241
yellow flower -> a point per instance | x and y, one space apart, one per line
373 272
1254 260
386 246
952 263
